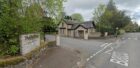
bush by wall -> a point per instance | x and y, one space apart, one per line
28 58
11 61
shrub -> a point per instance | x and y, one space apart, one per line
11 61
9 38
17 59
121 31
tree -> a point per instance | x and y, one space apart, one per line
31 22
65 16
101 17
68 17
97 18
129 27
98 12
48 25
77 17
136 26
139 29
111 18
14 22
55 9
10 27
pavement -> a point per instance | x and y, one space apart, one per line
57 58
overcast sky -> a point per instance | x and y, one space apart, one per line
86 7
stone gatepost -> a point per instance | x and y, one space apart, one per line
106 34
58 40
86 36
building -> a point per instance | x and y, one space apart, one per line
72 28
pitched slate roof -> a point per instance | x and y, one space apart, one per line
75 24
88 24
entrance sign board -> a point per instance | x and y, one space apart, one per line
29 42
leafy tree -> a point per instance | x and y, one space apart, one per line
110 18
129 27
139 29
48 25
55 9
136 27
132 27
10 27
31 20
14 22
98 12
67 17
77 17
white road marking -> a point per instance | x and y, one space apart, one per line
135 38
104 48
120 58
108 51
108 44
78 63
93 54
88 59
103 45
91 57
129 38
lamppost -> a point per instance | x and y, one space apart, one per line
117 31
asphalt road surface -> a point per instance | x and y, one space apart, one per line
85 48
124 53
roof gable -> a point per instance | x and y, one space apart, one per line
78 27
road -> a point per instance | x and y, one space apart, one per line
106 53
124 53
85 48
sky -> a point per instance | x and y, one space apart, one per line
86 7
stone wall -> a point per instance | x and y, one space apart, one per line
28 42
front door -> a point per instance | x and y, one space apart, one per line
81 33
